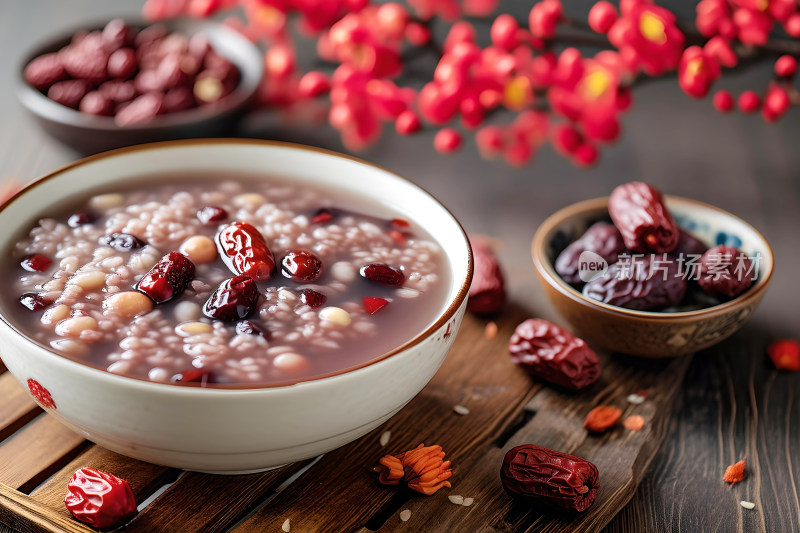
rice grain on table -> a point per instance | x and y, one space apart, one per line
461 410
456 499
468 502
405 514
385 436
286 527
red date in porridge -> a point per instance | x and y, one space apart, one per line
224 281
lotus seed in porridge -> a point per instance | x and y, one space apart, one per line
238 281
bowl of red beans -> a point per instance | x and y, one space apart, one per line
124 83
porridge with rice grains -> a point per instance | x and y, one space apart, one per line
204 281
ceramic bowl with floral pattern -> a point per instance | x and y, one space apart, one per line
667 333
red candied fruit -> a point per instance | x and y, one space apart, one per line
374 304
36 263
99 499
383 274
301 266
312 298
33 301
211 214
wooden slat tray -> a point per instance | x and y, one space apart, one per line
339 492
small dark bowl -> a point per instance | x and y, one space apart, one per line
90 133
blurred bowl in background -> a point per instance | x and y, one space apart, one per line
92 133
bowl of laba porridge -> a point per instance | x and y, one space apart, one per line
227 305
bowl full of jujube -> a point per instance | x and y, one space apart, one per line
120 83
651 275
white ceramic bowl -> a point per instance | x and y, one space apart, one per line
237 430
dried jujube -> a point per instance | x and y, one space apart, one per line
301 266
601 238
99 499
487 293
211 214
639 213
44 71
383 274
244 250
234 299
553 354
168 278
553 478
312 298
148 71
688 246
725 272
642 283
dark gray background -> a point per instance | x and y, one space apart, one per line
733 404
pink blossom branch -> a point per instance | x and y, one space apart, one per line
532 71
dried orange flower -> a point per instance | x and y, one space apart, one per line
423 469
634 422
734 473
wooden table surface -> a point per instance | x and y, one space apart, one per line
732 404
